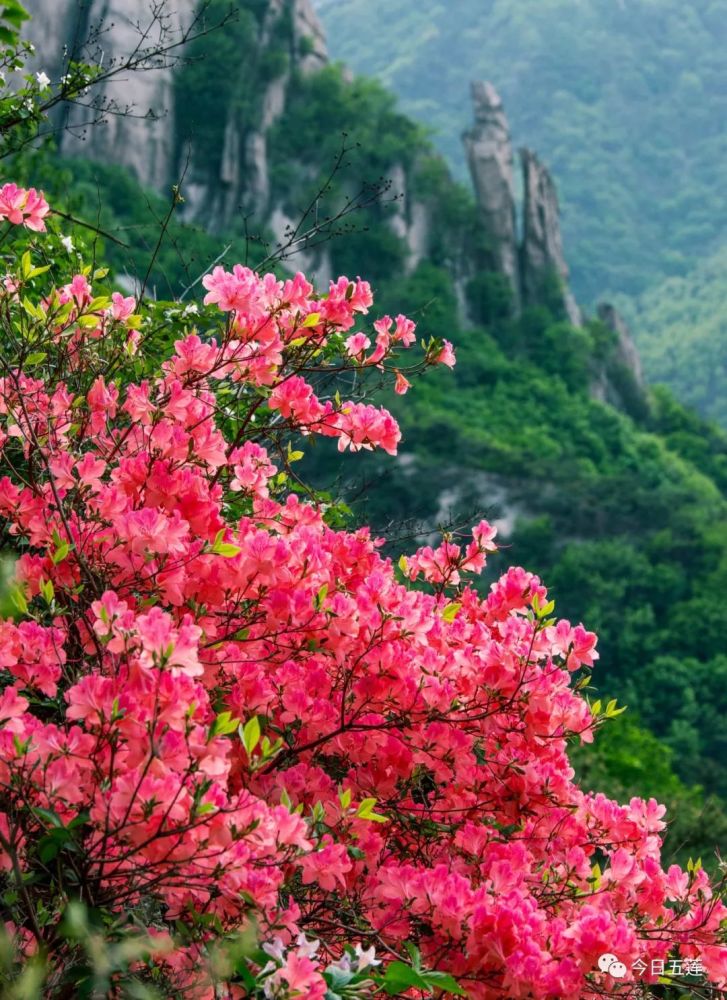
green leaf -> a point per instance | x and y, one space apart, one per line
365 811
88 322
312 319
35 358
223 725
49 816
18 599
611 710
99 304
250 734
38 270
400 977
60 553
225 549
32 309
51 845
414 954
443 981
450 612
228 551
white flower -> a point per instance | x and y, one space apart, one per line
307 948
67 243
276 949
365 958
191 310
43 80
343 964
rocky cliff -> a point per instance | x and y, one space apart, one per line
211 114
146 122
532 262
138 124
489 156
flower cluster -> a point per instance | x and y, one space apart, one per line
229 716
23 207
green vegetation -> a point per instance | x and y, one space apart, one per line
624 516
215 86
624 101
623 512
682 335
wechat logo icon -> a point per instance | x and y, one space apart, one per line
610 964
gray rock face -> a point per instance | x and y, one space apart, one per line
409 219
626 351
490 160
619 378
51 24
310 36
541 254
142 136
530 264
138 131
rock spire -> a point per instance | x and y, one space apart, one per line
536 262
490 160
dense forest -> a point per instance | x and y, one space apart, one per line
621 509
627 103
682 328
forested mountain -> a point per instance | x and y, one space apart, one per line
682 329
627 103
616 494
626 100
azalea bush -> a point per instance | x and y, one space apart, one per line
243 754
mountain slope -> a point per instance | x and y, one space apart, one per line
617 498
682 332
625 101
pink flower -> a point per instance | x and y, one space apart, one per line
326 867
121 307
446 356
357 344
279 724
23 207
90 470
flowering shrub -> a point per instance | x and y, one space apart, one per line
238 736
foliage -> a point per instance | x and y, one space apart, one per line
12 15
626 519
682 330
628 760
240 737
130 220
620 99
622 511
208 93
